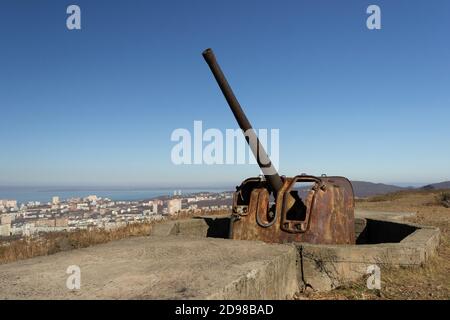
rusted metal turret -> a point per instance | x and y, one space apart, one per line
272 208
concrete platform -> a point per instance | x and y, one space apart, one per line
173 267
188 259
383 239
398 216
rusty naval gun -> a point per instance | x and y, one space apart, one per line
272 208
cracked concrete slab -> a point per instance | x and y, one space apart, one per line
325 267
172 267
398 216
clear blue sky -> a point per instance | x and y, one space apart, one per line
98 106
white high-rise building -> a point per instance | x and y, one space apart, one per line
5 225
8 203
154 208
92 198
55 200
173 206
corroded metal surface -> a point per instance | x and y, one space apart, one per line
327 216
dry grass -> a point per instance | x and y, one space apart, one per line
431 281
444 199
384 197
50 243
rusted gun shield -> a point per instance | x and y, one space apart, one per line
326 215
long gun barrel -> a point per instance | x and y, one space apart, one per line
260 154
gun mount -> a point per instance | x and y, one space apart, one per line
271 209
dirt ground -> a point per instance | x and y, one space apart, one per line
429 282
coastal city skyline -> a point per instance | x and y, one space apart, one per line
83 213
45 194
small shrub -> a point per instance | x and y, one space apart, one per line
444 199
386 197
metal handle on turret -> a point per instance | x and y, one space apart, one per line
260 154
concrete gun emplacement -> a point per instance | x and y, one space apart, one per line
272 208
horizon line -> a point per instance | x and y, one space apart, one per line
70 187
